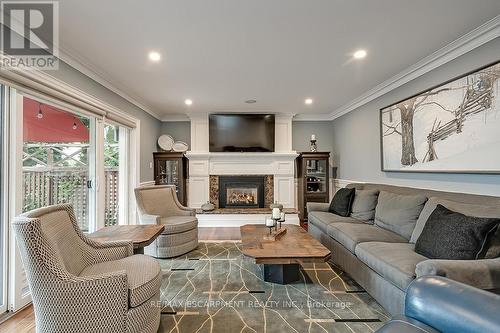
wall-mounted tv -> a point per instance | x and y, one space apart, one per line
241 132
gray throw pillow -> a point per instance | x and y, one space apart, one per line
363 206
451 235
463 208
398 213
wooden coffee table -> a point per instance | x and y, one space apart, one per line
282 258
140 235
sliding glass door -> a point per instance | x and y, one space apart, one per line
58 163
54 154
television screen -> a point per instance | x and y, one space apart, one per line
241 132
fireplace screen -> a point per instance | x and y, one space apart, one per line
241 192
240 196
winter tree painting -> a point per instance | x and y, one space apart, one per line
454 127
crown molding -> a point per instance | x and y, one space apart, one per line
312 117
468 42
175 117
89 70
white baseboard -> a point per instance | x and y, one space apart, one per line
237 220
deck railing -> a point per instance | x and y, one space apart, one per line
63 178
69 185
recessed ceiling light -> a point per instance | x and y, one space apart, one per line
154 56
250 101
308 101
359 54
188 102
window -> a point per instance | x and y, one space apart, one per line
57 158
111 174
116 146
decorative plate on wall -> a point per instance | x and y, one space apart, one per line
166 142
180 146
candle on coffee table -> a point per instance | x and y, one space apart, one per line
276 213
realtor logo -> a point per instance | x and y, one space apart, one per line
30 34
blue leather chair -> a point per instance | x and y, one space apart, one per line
437 304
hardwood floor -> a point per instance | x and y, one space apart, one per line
21 322
219 234
24 320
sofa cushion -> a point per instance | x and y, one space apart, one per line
323 219
143 276
395 262
451 235
399 213
177 224
363 206
351 234
342 202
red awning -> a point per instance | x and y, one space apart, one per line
55 125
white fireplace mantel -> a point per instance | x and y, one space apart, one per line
203 163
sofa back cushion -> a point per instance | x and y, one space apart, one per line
364 204
399 213
451 235
493 246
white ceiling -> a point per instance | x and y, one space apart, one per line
220 53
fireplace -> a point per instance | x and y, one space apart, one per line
241 191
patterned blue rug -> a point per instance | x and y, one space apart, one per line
218 289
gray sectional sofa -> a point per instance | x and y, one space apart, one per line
382 258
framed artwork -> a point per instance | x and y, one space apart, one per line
453 127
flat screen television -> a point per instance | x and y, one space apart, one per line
241 132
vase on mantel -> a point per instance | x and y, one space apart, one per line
207 207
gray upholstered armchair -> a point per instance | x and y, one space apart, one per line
79 285
159 205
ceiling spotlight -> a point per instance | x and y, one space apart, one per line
154 56
188 102
250 101
359 54
308 101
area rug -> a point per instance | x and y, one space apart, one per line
218 289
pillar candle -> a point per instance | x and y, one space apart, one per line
269 222
276 213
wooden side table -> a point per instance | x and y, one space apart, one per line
140 235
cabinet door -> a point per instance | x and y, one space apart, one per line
316 176
169 172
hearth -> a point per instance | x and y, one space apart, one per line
241 192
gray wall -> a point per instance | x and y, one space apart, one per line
179 130
356 135
301 134
150 126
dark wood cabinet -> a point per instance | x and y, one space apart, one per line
171 168
314 180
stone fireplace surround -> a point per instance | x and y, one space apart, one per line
268 189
